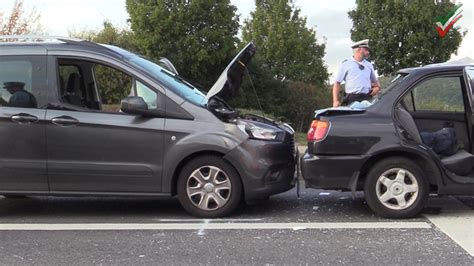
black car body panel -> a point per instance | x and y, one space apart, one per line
358 139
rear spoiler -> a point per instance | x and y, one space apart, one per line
335 111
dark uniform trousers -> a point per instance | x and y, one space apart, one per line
355 97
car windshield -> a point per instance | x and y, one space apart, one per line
170 80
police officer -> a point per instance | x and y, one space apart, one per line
358 73
19 96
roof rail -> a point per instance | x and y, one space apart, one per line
37 38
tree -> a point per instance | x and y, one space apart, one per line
20 22
197 36
403 33
109 34
288 47
288 72
301 101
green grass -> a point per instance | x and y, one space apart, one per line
300 138
257 112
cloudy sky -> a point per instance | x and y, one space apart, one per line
329 18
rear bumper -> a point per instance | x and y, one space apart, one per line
266 167
331 172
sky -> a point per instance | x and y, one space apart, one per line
328 18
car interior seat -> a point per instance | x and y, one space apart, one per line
461 163
72 90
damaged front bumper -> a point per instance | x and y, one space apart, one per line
266 167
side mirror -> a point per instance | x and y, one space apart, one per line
134 105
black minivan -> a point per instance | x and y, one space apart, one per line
378 147
64 133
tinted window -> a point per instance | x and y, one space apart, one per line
437 94
23 81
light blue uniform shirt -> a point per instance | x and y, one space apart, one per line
357 80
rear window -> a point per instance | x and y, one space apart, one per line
18 71
23 81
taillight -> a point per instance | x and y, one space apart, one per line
318 131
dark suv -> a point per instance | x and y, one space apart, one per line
66 131
376 146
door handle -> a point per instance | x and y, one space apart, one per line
65 121
24 118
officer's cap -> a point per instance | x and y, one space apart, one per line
13 84
361 44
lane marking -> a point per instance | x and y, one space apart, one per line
457 222
213 220
203 227
211 226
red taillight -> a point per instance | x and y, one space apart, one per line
318 131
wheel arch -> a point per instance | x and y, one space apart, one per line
427 165
192 156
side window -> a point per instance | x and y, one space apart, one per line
150 96
96 86
443 94
470 78
407 102
113 85
23 81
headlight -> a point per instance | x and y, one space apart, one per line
258 130
288 128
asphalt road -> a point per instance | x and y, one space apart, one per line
321 227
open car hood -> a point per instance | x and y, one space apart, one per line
230 80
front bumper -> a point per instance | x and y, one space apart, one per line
331 172
266 167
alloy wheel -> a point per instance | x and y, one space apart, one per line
208 188
397 189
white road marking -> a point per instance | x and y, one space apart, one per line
210 226
456 221
214 220
203 227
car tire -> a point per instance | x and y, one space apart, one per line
209 187
396 188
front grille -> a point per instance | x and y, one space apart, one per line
291 142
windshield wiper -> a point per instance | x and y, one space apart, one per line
178 78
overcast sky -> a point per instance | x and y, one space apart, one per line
329 18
